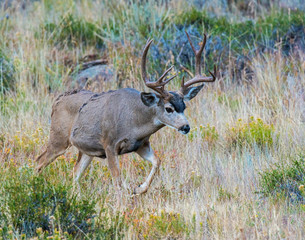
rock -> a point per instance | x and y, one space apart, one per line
93 77
14 4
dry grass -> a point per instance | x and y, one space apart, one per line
211 185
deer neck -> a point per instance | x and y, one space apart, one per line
149 124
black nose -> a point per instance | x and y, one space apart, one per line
185 128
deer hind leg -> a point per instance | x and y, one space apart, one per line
147 153
79 157
57 145
48 156
81 165
113 163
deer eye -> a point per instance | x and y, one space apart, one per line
169 110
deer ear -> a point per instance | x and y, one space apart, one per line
149 99
192 92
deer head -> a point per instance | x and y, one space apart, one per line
170 106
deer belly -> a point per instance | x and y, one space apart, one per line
89 146
127 146
91 150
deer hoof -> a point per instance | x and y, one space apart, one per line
139 190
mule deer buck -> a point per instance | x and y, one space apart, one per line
112 123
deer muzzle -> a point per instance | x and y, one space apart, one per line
184 129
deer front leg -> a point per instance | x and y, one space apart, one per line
147 153
81 165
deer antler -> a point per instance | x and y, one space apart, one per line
158 85
198 77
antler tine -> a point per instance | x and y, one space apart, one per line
191 43
164 75
197 53
143 60
198 78
160 88
213 74
182 83
198 56
161 91
168 80
158 85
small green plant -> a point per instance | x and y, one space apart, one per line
286 180
224 194
253 132
206 133
109 227
2 140
169 225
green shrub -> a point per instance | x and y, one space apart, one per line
253 132
192 16
242 34
286 180
7 70
30 202
276 24
73 31
217 25
34 205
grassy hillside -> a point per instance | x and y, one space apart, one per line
239 173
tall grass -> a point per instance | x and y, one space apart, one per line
217 183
